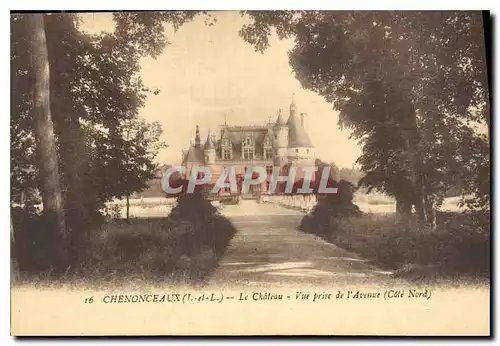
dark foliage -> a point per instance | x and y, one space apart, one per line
34 245
331 210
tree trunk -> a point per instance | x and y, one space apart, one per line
128 207
412 141
403 212
44 135
13 252
429 208
77 215
80 197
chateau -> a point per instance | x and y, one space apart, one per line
274 144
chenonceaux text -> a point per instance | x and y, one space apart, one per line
141 298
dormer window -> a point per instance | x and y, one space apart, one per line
248 141
248 153
226 148
248 149
226 154
268 146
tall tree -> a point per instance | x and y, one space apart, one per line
133 165
44 134
95 89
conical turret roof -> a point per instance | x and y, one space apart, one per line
279 120
297 135
208 143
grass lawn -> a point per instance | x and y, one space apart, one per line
183 247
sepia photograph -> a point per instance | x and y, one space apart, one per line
291 172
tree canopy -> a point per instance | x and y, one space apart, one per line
409 85
96 90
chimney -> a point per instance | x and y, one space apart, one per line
197 139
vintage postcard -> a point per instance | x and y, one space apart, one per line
250 173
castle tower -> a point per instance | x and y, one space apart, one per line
197 140
300 148
209 150
281 141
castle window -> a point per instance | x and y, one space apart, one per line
268 153
248 153
275 136
248 141
226 154
269 169
296 151
307 151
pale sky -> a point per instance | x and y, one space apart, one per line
207 73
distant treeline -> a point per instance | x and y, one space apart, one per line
353 175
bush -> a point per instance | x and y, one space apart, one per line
331 212
112 213
34 243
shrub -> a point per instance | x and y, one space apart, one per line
34 242
331 211
112 213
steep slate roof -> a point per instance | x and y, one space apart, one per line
194 155
297 135
237 135
208 143
279 120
